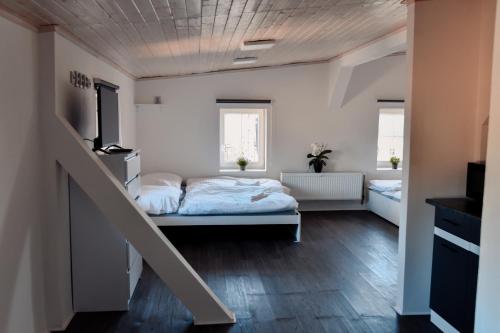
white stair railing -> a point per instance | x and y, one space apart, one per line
119 208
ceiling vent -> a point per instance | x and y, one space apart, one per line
244 60
261 44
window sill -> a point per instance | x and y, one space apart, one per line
389 169
242 171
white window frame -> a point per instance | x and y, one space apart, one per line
386 165
264 111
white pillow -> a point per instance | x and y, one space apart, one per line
159 199
162 179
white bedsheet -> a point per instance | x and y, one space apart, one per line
160 193
385 185
231 195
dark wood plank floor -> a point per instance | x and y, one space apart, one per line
340 278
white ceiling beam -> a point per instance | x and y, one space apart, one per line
341 76
341 67
379 48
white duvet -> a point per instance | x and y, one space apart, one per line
385 185
160 193
393 194
230 195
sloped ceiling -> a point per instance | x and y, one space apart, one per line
173 37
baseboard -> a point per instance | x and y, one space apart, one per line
330 205
411 313
230 321
416 313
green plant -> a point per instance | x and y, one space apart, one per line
395 160
242 162
318 156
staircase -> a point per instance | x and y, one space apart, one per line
119 208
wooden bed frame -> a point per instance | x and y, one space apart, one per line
249 219
384 207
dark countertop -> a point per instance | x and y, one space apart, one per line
465 206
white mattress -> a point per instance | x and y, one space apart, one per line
384 185
384 206
231 195
160 193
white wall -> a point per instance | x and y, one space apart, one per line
444 45
488 292
21 223
484 78
184 138
58 57
79 105
485 58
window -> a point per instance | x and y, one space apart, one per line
243 133
390 134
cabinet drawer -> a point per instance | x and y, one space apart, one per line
460 225
134 187
453 286
134 275
132 167
132 255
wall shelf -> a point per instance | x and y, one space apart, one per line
150 107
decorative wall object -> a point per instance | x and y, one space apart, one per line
79 80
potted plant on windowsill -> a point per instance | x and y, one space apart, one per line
242 163
318 156
395 162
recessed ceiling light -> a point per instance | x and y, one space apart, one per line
244 60
261 44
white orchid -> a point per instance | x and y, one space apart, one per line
317 148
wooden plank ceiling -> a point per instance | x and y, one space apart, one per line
174 37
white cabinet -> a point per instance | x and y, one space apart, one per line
125 166
105 266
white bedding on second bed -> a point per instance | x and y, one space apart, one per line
388 188
384 198
385 185
395 195
231 195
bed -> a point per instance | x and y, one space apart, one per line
221 201
384 199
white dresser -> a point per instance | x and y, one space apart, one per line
105 266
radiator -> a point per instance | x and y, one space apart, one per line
325 186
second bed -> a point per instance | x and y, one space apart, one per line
384 198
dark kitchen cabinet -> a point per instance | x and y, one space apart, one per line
455 264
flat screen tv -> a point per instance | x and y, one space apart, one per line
108 118
475 180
